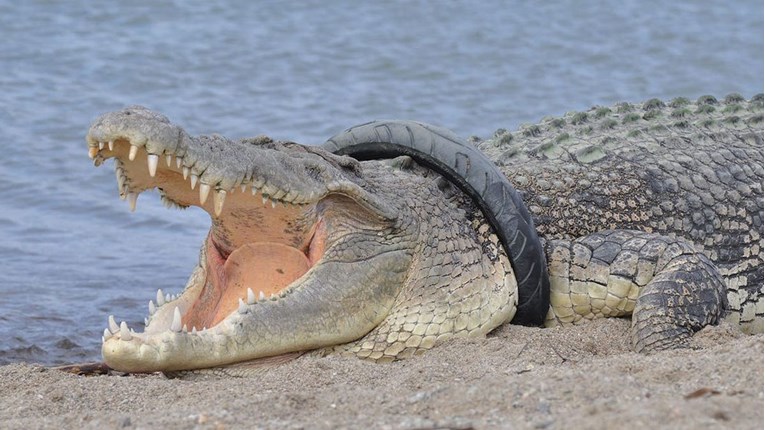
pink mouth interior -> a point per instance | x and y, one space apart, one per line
263 267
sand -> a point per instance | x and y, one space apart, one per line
581 377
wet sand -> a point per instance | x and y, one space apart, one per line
581 377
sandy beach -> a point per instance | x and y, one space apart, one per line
582 377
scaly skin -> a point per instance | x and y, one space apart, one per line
670 289
691 170
637 205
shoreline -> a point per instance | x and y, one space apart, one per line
520 377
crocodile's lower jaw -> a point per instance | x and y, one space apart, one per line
252 272
216 296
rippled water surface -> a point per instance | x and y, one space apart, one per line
71 253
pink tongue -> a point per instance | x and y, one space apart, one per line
263 267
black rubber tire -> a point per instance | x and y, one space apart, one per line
469 169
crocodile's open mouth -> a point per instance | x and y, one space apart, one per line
262 240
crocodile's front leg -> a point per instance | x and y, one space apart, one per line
670 289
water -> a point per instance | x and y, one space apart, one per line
71 253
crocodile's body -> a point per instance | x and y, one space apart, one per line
654 210
688 170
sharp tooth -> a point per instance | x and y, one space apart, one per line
168 297
92 152
242 306
101 145
261 296
107 334
168 159
113 327
273 204
219 197
160 297
185 329
273 296
120 177
265 199
194 179
204 328
176 325
124 332
244 187
152 308
133 152
178 162
132 199
194 330
254 190
204 191
111 145
186 171
152 159
251 296
146 321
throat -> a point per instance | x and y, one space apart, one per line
266 268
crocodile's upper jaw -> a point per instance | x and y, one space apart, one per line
261 264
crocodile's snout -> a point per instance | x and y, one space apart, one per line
142 126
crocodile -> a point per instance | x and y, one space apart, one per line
395 236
